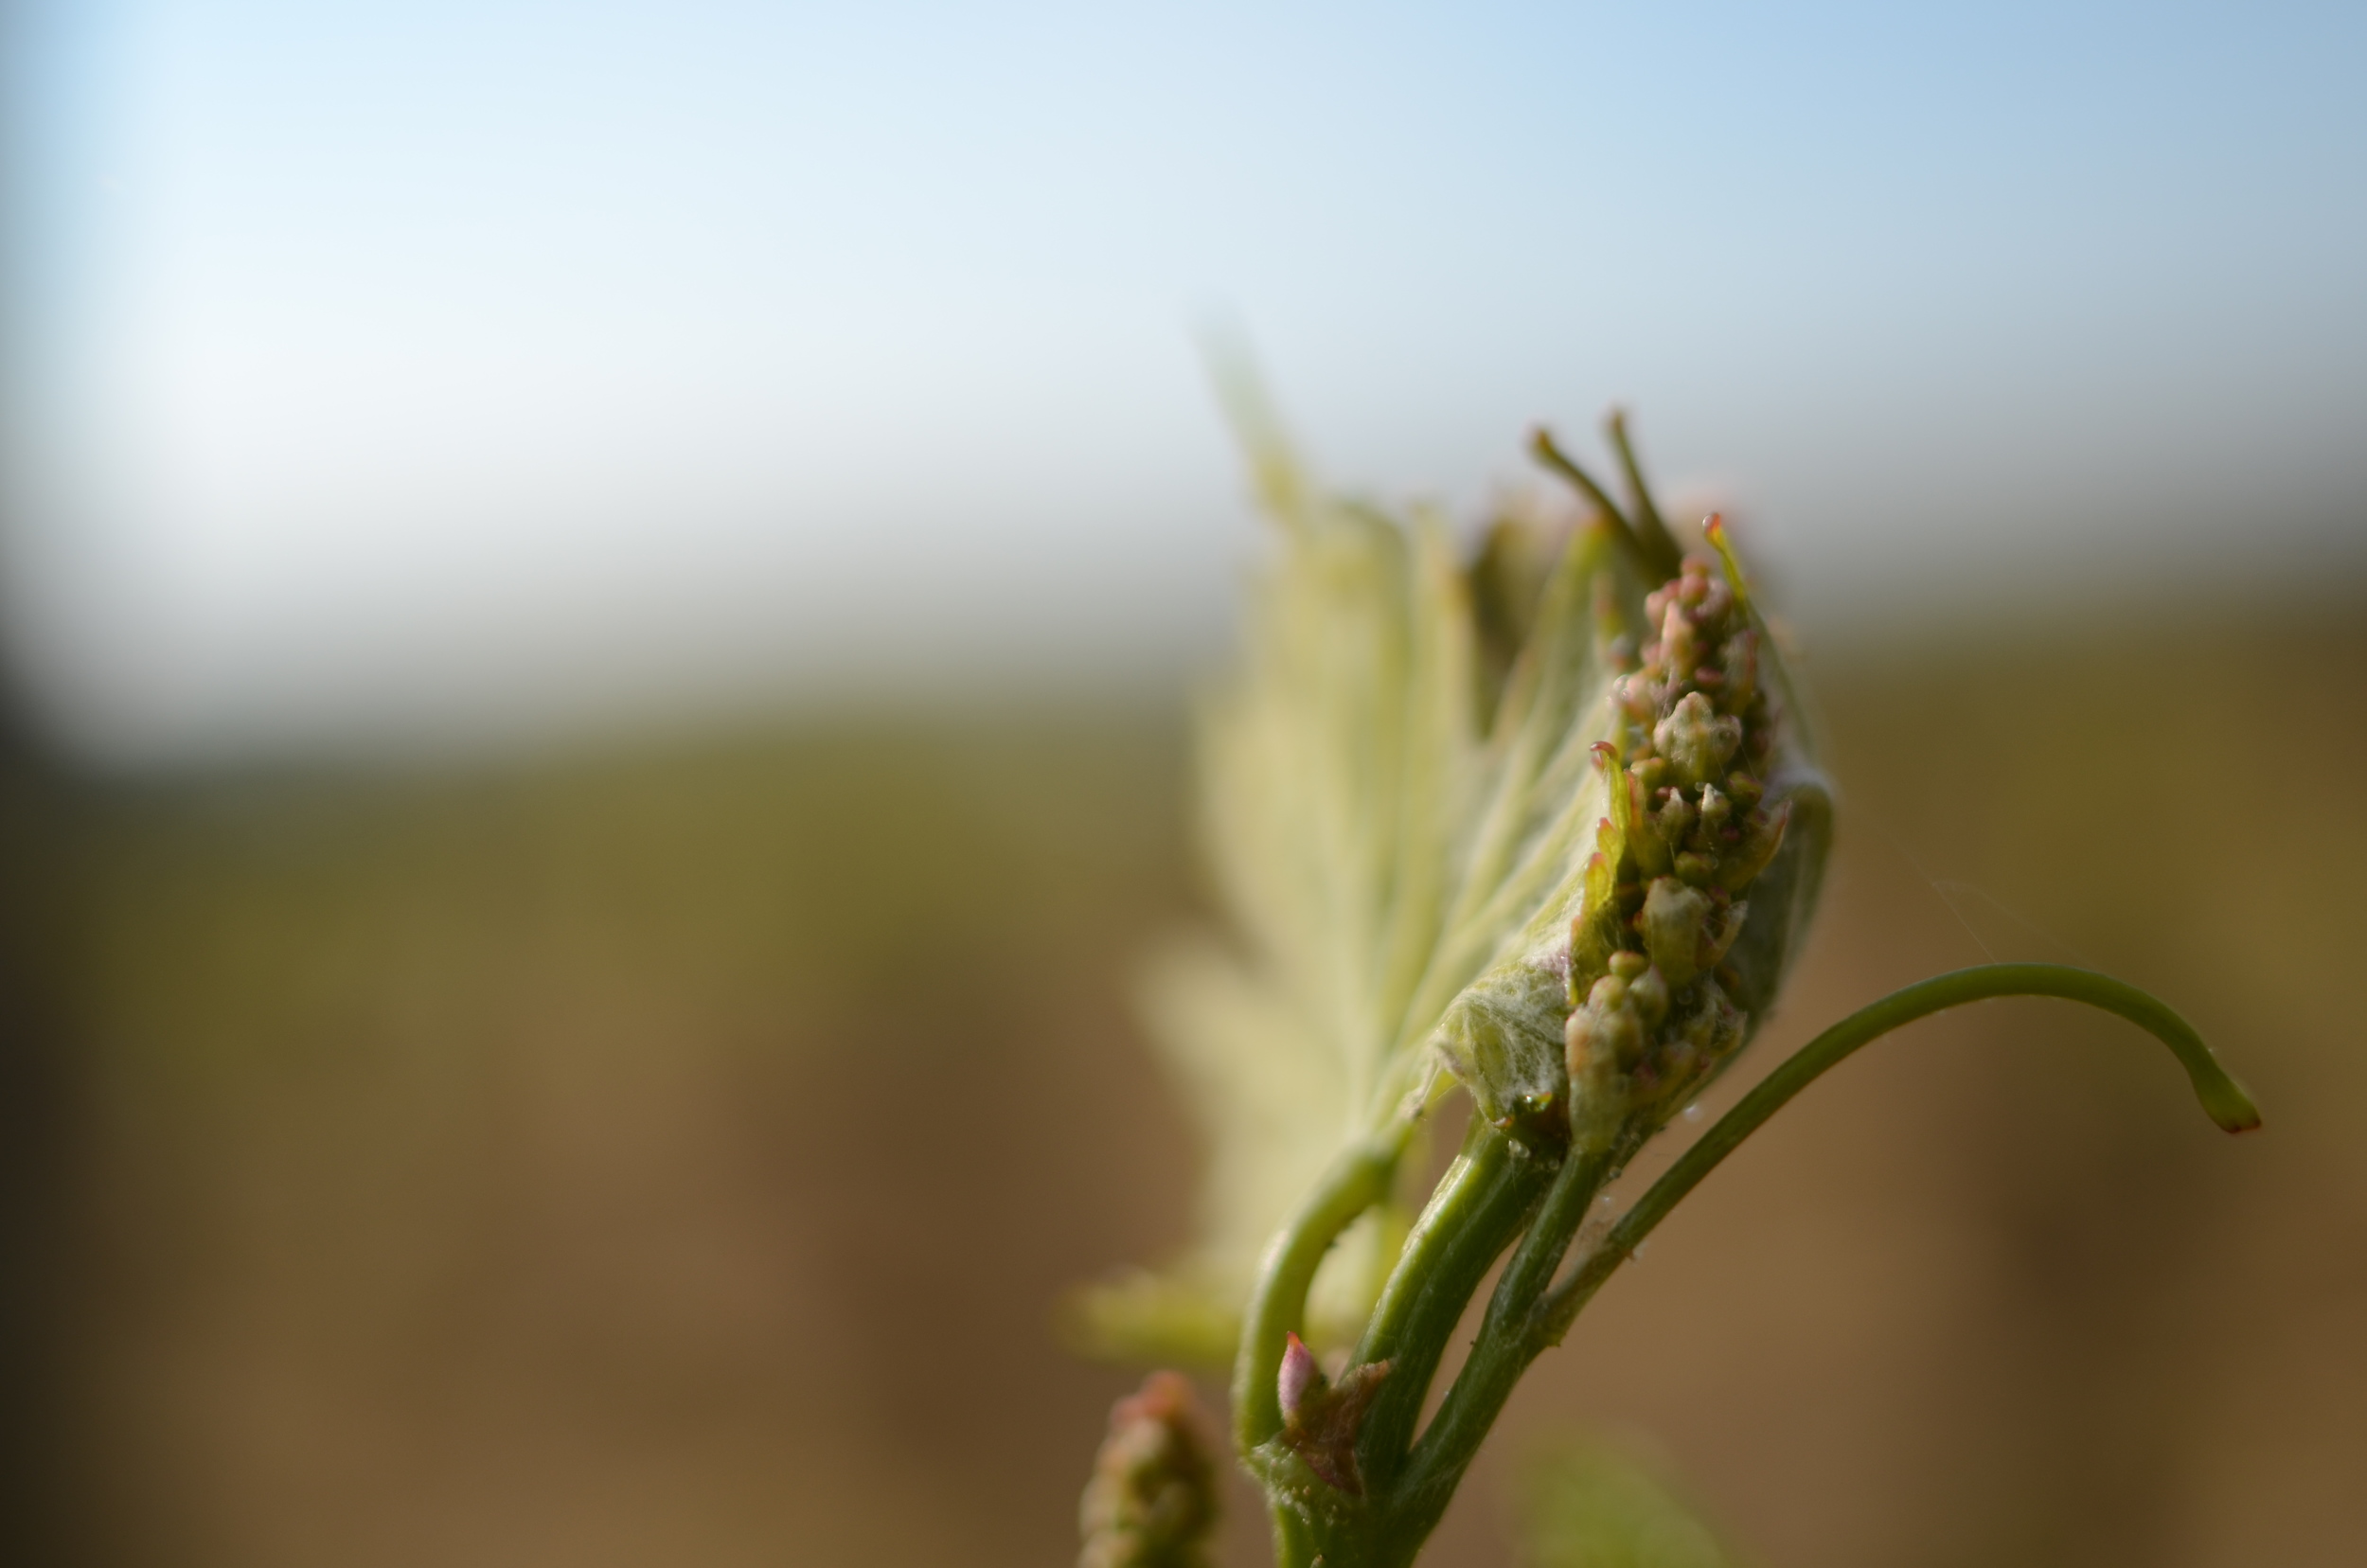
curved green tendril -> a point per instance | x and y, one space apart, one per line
1277 1308
1526 1316
2223 1099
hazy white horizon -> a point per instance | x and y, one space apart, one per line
384 371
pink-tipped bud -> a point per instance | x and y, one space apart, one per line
1321 1419
1300 1376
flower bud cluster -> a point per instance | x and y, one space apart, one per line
1689 832
1152 1499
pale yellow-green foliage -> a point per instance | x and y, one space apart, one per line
1584 1505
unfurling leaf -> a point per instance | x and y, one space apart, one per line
1440 801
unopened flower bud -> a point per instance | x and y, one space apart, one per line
1712 1025
1650 992
1632 820
1152 1499
1685 929
1715 809
1741 659
1697 739
1762 835
1696 1044
1674 917
1693 581
1673 818
1678 652
1609 1028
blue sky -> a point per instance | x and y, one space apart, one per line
390 369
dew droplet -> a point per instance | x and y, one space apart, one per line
1636 1253
1693 1111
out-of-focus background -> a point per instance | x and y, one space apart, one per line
599 605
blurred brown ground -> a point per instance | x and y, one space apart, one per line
676 1156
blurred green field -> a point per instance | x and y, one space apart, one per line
676 1153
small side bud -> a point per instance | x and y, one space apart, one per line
1152 1499
1300 1376
1320 1419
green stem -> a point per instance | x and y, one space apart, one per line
1277 1308
2223 1099
1478 1208
1295 1541
1489 1196
1435 1467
